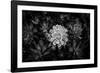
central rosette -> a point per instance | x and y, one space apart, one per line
58 35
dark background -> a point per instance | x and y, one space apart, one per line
35 45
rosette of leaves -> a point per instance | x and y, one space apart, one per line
78 32
35 44
75 31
